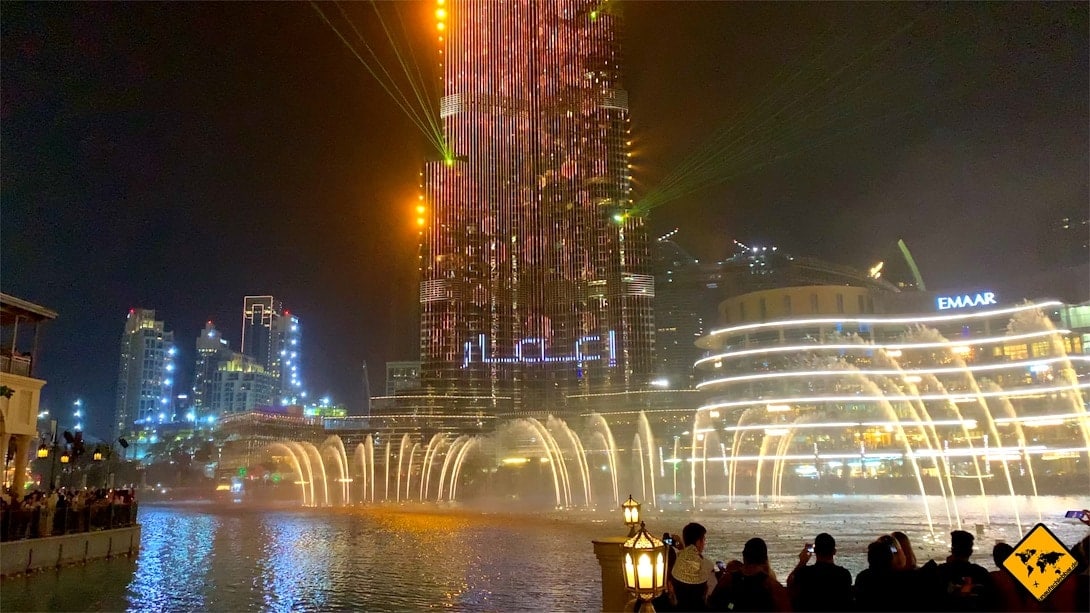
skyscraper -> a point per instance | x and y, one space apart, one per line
536 275
146 372
212 348
258 313
273 338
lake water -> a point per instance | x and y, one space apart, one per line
235 558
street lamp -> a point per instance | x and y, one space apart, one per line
43 451
97 456
644 567
631 510
65 458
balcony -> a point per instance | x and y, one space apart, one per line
15 364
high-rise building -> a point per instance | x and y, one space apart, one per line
684 289
212 348
146 373
273 337
287 339
240 384
258 313
536 272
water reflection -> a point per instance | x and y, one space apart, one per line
413 558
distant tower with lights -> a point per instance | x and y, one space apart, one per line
536 274
273 336
145 380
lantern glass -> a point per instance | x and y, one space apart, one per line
64 459
43 452
98 456
644 558
631 510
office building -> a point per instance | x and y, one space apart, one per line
146 372
272 336
536 274
212 349
240 384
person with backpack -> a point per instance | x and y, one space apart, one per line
750 586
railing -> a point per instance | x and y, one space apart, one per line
15 364
20 524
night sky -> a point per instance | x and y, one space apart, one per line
181 156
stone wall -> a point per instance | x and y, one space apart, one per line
29 555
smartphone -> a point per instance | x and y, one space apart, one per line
720 565
893 549
668 541
809 548
1074 515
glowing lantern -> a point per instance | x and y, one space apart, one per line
43 451
631 510
644 566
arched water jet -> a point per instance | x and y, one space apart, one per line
457 470
297 467
360 457
1020 433
645 429
302 454
451 453
930 436
580 456
409 476
735 449
386 472
369 447
637 450
400 458
316 460
434 445
330 450
611 454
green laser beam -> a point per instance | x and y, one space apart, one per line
418 115
405 109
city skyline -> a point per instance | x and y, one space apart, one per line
168 165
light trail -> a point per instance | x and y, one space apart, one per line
890 372
853 399
390 87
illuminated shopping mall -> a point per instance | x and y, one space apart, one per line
972 396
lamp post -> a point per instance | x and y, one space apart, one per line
644 567
631 510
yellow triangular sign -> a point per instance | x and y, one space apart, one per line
1040 562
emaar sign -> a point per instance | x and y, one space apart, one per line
968 300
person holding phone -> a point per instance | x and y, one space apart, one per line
693 574
823 586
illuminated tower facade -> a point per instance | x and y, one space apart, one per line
146 373
272 336
536 278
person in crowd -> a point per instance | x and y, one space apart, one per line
667 601
905 551
879 587
1073 594
693 575
752 586
1008 594
823 586
959 584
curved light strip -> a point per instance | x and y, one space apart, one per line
871 347
886 372
890 320
968 423
1009 452
1020 392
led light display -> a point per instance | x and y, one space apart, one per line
535 279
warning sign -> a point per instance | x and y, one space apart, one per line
1040 562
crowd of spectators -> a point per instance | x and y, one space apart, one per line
893 581
64 511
